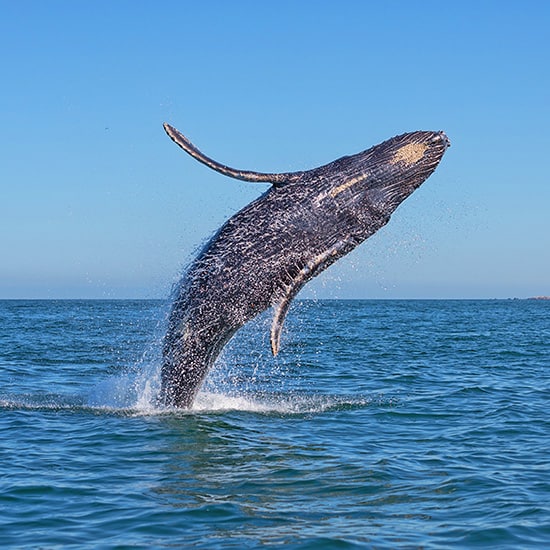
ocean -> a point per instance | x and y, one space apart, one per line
381 424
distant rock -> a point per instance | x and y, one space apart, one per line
539 298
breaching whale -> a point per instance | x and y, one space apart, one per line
263 255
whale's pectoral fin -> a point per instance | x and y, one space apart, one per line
258 177
310 270
277 325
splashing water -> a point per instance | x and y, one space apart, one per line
138 392
91 362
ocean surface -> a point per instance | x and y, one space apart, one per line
381 424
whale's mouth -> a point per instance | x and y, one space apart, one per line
442 136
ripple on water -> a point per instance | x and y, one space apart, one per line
380 425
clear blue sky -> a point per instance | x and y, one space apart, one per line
97 202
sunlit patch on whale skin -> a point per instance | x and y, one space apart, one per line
348 184
410 153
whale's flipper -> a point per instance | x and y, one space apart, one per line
310 270
257 177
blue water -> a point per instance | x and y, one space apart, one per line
381 424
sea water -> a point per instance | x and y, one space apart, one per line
381 424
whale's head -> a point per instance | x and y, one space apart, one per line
382 177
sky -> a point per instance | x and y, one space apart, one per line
97 202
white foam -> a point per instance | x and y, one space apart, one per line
136 391
291 404
218 402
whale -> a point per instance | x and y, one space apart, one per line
263 255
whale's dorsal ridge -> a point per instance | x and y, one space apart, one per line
257 177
